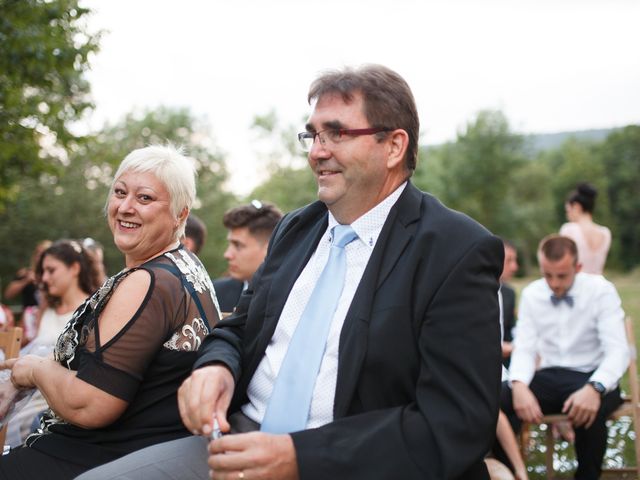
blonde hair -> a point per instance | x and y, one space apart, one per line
172 168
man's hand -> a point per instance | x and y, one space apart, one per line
525 403
253 456
507 348
204 395
582 406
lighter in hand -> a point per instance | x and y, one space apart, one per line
215 433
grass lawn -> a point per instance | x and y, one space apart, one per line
620 452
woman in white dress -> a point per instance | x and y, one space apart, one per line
68 276
593 240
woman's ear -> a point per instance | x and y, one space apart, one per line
75 268
182 216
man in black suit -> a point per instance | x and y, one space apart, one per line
409 382
508 295
249 228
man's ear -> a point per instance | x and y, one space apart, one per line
398 143
578 267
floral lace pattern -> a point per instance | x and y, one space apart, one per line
189 337
186 338
74 332
193 272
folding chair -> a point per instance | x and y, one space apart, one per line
10 345
629 408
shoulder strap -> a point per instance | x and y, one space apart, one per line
174 270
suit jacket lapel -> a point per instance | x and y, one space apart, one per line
294 249
396 234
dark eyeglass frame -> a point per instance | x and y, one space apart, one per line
304 137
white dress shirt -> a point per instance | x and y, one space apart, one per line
358 252
588 336
505 372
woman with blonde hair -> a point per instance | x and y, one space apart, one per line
120 360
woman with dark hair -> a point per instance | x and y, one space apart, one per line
117 365
67 276
593 240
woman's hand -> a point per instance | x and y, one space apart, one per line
23 370
8 393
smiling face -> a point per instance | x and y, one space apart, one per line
359 172
140 217
57 276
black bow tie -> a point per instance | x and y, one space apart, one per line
567 298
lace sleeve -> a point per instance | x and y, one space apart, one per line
119 365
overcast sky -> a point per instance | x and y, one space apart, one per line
549 65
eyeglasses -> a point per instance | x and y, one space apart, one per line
334 136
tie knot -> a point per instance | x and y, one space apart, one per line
343 235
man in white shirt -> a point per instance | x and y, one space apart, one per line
574 324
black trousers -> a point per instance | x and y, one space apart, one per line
552 386
25 463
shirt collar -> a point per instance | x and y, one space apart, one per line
369 225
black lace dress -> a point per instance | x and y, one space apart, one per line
144 364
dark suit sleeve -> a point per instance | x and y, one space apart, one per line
509 310
224 343
448 428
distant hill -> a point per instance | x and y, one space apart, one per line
537 142
548 141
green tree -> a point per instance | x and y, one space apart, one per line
71 202
474 173
487 174
289 188
620 154
180 127
44 56
575 161
290 183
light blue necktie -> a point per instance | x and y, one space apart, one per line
289 405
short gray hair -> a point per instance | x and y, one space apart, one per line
172 168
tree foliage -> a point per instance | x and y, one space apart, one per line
44 55
478 173
290 184
497 177
486 153
179 127
620 154
70 203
